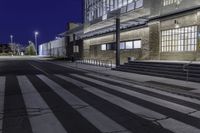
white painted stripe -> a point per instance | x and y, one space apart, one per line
2 93
135 109
178 127
95 117
196 114
41 117
187 99
157 101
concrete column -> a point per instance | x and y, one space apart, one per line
117 41
154 40
198 37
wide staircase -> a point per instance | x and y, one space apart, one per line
183 71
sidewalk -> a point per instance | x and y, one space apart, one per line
180 86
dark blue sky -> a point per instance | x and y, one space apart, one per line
49 17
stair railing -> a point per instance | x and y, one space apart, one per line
186 69
96 62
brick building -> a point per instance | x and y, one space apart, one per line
149 29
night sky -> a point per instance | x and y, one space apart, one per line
49 17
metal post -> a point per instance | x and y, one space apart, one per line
11 39
117 41
36 45
11 43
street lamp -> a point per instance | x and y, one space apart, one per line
11 43
36 36
11 39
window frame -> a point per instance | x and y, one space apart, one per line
183 39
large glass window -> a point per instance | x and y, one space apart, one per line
103 47
137 44
179 40
109 46
129 45
170 2
97 8
120 3
130 1
122 45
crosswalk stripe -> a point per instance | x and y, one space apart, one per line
98 119
187 99
2 91
163 103
136 109
41 117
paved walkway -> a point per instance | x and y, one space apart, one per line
132 76
41 97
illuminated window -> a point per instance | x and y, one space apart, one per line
130 1
109 46
170 2
122 45
137 44
103 47
129 45
76 49
125 2
179 40
97 8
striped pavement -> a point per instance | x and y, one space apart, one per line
89 103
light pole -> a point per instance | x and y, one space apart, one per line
11 39
117 41
11 43
36 45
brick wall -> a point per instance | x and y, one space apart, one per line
92 47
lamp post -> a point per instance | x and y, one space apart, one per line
36 45
11 39
11 43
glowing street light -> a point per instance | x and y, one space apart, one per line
11 43
11 39
36 37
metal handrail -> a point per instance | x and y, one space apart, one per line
96 62
186 69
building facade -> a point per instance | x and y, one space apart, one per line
149 29
68 45
54 48
74 42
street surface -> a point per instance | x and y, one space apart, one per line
37 96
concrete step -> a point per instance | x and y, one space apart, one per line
196 67
163 69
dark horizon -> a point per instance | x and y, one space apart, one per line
49 18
